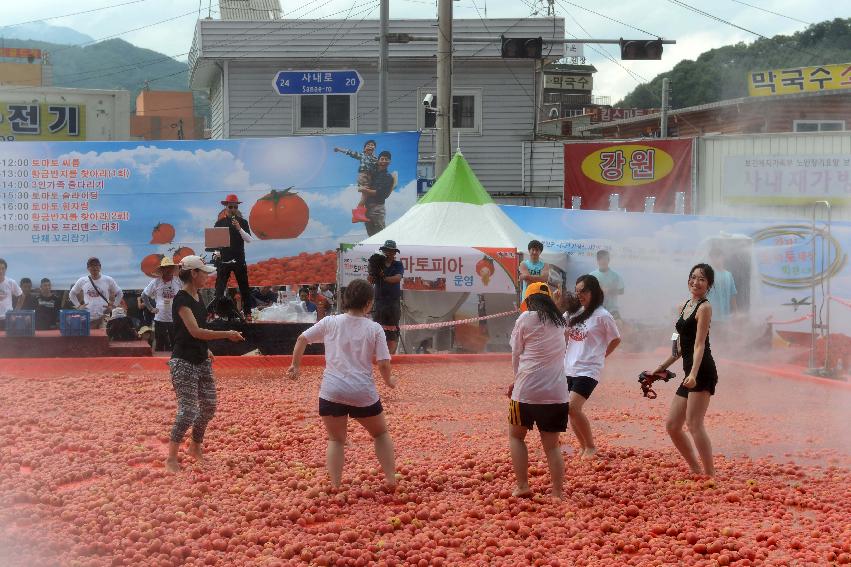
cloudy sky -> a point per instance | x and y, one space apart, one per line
168 24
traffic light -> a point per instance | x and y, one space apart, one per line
640 49
522 48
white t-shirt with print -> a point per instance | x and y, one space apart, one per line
9 290
587 344
95 304
537 351
351 344
163 292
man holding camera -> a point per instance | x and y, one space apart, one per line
232 258
387 309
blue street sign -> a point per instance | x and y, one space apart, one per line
317 82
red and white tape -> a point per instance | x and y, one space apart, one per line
844 302
790 321
442 324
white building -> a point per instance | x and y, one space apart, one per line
494 99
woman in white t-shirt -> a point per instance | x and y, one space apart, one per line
539 392
158 296
592 335
352 341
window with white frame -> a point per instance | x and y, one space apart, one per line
818 125
334 113
466 110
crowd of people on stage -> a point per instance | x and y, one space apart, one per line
147 311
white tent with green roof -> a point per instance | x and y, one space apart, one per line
456 211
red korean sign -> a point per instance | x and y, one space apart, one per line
634 170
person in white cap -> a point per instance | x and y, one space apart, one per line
96 293
158 296
191 361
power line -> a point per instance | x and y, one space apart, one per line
73 13
609 18
767 11
738 27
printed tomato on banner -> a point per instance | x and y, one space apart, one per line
131 203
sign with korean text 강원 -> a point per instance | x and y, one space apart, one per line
787 179
442 268
317 82
633 170
49 122
601 114
130 203
799 80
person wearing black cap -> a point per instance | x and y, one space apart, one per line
388 295
233 257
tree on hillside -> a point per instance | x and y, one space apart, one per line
721 73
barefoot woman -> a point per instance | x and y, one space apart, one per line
539 392
692 397
191 361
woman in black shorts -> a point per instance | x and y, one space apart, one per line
692 398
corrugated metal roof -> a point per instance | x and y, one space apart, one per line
718 104
312 40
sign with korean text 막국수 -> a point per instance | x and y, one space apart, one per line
44 122
786 179
799 80
317 82
599 114
635 170
568 82
442 268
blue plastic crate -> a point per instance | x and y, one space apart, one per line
74 322
20 323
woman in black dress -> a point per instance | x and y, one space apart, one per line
692 398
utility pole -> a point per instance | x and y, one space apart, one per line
666 89
382 66
444 86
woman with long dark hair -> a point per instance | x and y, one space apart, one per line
539 393
592 335
691 342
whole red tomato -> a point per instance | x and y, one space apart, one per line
163 233
280 214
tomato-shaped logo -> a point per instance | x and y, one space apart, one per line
280 214
627 165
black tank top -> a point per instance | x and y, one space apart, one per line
687 329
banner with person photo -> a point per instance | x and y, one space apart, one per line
130 203
442 268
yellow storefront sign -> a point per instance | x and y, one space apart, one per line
799 80
25 121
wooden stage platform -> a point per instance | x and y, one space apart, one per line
50 344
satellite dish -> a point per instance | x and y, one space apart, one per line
553 113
